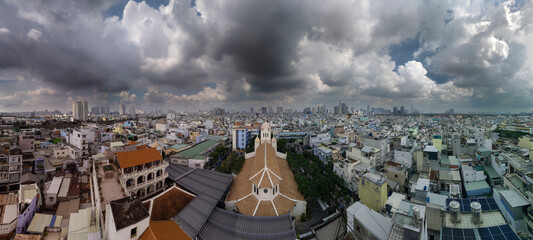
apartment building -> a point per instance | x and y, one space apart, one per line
142 172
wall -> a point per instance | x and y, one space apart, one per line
25 218
373 196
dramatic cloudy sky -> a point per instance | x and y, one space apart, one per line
467 55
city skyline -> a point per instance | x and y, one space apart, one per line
190 55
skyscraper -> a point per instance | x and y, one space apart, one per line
344 108
251 110
279 110
264 110
336 110
131 109
95 110
121 109
80 110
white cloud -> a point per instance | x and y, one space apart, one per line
34 34
126 97
4 30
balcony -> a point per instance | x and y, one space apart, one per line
134 174
135 186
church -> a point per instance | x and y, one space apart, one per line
265 186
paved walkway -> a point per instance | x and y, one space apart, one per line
110 187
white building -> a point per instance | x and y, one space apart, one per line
317 139
367 155
125 219
80 110
403 156
472 175
53 190
365 223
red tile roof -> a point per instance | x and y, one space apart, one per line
138 157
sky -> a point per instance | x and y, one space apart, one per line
237 54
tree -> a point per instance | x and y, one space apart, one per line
251 145
282 145
223 168
238 164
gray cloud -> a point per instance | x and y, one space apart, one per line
255 52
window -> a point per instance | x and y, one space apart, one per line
395 175
133 232
357 228
265 191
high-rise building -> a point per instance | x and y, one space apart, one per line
344 108
395 110
121 109
251 110
270 109
279 110
336 110
264 110
102 110
95 110
219 111
80 110
131 109
402 110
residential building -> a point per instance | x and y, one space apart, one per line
126 218
27 140
323 153
53 190
121 109
80 110
10 169
514 208
365 223
240 137
314 139
373 190
142 171
367 155
9 209
409 222
470 174
437 142
29 203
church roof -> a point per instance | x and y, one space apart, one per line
265 169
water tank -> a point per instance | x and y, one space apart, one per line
455 209
476 212
416 213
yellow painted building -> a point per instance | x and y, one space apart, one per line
373 190
525 142
437 142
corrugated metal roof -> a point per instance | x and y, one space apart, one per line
193 217
212 183
514 198
224 224
197 149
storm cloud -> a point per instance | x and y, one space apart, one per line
239 54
